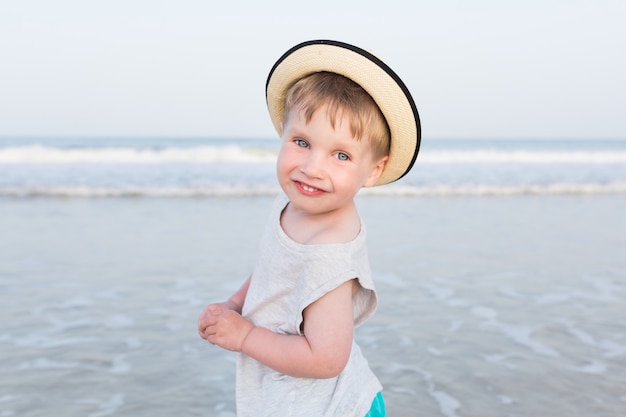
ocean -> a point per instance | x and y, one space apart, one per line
500 266
220 167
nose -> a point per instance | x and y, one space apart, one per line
312 165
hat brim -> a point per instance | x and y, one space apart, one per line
373 75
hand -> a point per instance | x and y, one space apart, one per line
223 327
210 309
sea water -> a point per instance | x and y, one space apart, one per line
500 267
219 167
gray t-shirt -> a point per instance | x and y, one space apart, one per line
288 277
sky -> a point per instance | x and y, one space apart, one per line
197 68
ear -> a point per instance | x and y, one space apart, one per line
377 170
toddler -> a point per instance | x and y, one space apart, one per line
346 121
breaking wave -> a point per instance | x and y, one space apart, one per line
247 191
37 154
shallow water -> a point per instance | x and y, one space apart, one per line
508 306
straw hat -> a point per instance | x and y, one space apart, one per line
380 82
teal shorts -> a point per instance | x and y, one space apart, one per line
378 407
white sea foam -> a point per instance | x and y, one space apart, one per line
455 326
45 363
60 326
486 313
48 342
448 405
111 406
505 400
605 290
133 342
580 335
227 190
37 154
500 359
458 302
434 351
439 292
592 367
188 169
77 302
193 155
137 191
485 190
120 366
118 321
612 349
523 335
523 157
551 298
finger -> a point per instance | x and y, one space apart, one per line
207 321
204 313
212 339
202 333
212 307
202 327
210 333
211 310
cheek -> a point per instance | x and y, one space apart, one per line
284 161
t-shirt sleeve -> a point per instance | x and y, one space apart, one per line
326 279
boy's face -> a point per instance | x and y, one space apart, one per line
320 168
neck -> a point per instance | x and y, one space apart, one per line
338 226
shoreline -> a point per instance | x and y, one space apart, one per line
480 300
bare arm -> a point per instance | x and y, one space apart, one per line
237 299
324 349
322 352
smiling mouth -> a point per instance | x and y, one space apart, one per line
308 189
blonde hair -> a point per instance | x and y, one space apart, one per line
343 96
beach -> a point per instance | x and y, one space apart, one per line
508 305
138 167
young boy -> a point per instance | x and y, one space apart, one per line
346 121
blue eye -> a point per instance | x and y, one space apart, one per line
301 143
343 156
